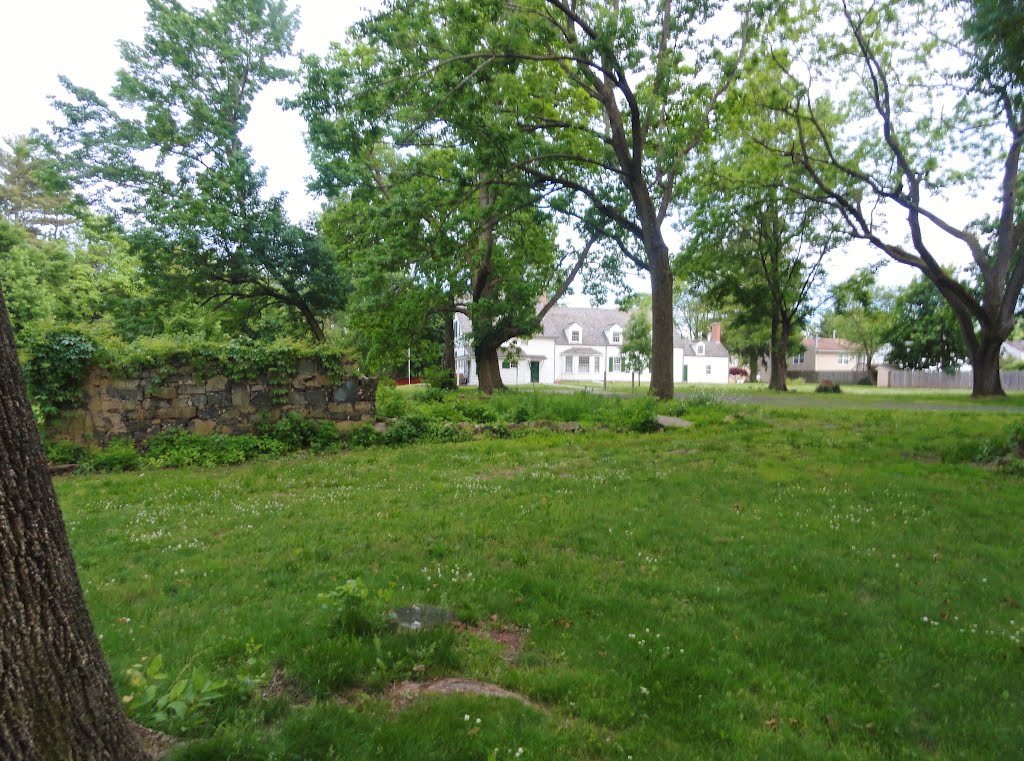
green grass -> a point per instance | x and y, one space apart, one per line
771 583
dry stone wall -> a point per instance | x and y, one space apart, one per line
151 402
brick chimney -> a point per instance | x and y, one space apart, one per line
542 301
716 332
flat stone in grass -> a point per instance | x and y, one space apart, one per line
673 422
417 618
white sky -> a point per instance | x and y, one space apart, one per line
77 38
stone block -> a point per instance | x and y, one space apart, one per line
261 399
296 398
364 407
164 391
308 366
241 399
181 412
347 391
217 383
345 426
202 427
316 398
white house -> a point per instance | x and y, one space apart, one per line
578 344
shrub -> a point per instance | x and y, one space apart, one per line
439 379
66 452
364 435
476 411
298 432
390 403
178 448
118 456
350 605
827 387
638 415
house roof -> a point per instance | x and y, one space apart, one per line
593 324
823 344
711 348
1016 346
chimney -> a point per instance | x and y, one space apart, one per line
542 301
716 332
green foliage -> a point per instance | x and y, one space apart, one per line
827 387
179 448
56 368
351 608
66 452
363 436
440 379
118 456
390 401
924 332
638 415
297 432
637 343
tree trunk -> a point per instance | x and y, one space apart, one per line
662 325
488 369
780 345
753 362
311 321
985 362
57 700
448 358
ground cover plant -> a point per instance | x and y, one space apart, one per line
770 583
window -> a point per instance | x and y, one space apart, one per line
798 359
616 337
707 371
700 350
615 364
507 363
844 359
568 364
584 364
574 336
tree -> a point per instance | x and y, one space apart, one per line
861 313
57 699
33 194
602 100
756 239
923 333
430 223
637 344
908 119
198 218
693 311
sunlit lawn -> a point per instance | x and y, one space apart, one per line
771 583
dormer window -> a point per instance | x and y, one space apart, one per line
700 350
574 336
616 337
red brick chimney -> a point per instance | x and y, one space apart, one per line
716 332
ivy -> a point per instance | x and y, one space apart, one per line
55 369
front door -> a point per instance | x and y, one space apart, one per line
685 368
534 371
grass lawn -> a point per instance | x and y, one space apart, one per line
772 583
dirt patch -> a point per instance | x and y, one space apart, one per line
155 743
283 686
502 474
404 693
510 638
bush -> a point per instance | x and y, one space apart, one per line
476 411
66 452
638 415
827 387
298 432
438 379
390 403
362 436
175 449
119 455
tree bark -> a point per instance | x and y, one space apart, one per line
985 361
57 700
311 321
662 325
488 369
448 357
780 345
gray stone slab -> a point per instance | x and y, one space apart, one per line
421 617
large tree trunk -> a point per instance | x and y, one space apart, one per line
312 322
780 345
57 700
488 369
662 326
448 357
985 361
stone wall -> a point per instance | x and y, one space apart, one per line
149 403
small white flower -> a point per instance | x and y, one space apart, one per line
466 717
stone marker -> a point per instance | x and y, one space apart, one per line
673 422
421 617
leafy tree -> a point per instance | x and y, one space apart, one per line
602 100
923 333
637 344
429 224
861 313
693 310
756 239
906 119
199 218
32 192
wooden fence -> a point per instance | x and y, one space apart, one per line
842 377
1013 380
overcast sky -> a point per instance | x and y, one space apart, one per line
46 38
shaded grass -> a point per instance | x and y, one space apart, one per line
754 587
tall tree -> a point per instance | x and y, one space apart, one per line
605 100
57 699
33 193
861 313
915 131
199 217
923 332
